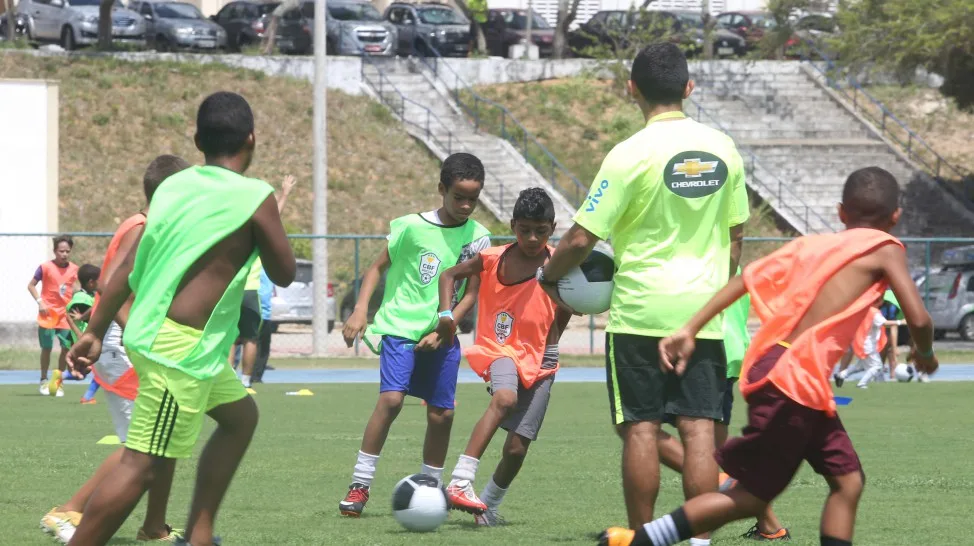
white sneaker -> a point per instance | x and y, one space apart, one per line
862 386
45 390
59 393
61 525
923 377
490 518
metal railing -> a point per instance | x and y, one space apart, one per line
914 146
507 126
783 192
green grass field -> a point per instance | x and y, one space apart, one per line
913 440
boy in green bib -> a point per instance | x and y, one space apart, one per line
79 308
413 359
205 228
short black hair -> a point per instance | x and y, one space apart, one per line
870 196
88 273
461 166
660 73
534 204
223 123
160 169
63 239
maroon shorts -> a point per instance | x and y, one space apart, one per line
779 435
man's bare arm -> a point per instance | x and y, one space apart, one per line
736 248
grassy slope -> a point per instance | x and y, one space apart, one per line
918 472
116 116
579 120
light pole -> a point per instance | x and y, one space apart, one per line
319 222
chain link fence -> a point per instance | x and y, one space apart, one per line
292 307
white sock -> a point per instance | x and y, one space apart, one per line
466 468
436 472
245 379
492 495
365 468
662 531
699 542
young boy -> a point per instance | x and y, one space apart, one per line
518 355
204 230
57 278
413 358
78 314
868 346
736 341
811 296
114 372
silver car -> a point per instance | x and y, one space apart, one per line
179 25
295 304
353 27
74 23
951 293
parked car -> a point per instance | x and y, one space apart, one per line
348 306
295 304
423 25
691 28
353 28
750 25
20 26
809 38
74 23
507 27
244 22
615 28
951 293
178 25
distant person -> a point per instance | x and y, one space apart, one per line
516 351
205 228
673 202
868 346
413 357
265 293
114 373
811 296
78 314
251 322
57 278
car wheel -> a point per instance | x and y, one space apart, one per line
967 328
331 326
162 44
242 42
67 39
939 334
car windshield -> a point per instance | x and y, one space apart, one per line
264 9
354 12
177 10
690 19
441 16
90 3
763 21
518 20
303 273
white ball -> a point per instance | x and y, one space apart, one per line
588 288
904 373
419 503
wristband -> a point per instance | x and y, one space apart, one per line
39 300
925 354
446 314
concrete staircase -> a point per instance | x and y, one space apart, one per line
429 113
798 134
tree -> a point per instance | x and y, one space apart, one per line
774 40
270 35
709 23
11 21
567 11
105 24
903 35
476 11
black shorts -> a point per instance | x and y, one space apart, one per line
726 405
249 323
640 391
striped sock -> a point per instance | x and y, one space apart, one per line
665 531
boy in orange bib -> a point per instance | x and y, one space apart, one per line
516 350
811 296
57 278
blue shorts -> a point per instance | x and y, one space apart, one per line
431 376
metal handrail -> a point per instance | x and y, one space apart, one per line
553 166
783 188
912 137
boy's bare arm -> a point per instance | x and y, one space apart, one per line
275 250
469 299
465 270
124 246
736 248
559 325
356 323
32 288
286 188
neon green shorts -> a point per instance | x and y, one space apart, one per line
170 404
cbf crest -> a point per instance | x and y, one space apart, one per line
503 325
429 265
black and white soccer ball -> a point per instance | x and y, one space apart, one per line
588 288
904 373
419 503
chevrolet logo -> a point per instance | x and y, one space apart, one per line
693 168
